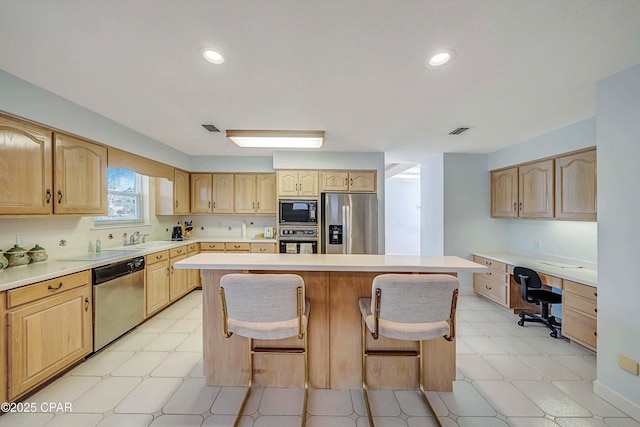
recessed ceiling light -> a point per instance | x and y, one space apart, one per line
212 56
440 57
276 138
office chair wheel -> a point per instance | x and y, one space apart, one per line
521 321
554 334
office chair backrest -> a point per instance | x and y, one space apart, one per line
527 279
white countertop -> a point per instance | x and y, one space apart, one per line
577 274
329 262
60 266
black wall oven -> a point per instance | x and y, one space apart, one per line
298 212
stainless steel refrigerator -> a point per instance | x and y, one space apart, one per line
349 223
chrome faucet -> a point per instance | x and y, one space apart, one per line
135 238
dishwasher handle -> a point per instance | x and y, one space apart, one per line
118 269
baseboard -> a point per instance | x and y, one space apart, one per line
616 399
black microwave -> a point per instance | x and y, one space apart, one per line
298 212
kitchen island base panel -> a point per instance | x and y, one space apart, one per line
334 342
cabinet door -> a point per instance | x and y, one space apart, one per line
334 181
363 182
504 193
287 183
308 183
193 276
245 188
181 192
47 336
576 186
80 176
266 194
25 168
177 280
201 193
223 193
156 286
535 190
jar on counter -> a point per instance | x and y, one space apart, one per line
4 262
37 253
17 256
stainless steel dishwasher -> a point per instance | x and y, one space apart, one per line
118 300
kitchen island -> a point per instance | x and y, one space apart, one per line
334 283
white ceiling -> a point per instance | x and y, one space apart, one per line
352 68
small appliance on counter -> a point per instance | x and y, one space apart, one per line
188 227
269 232
176 234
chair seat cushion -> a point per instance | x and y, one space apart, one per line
543 295
402 331
270 330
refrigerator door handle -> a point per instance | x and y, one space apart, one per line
347 232
344 229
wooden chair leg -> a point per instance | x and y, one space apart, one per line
248 392
424 395
364 373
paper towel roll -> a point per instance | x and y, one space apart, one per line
244 230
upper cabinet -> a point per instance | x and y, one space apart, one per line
43 174
354 181
222 184
26 180
527 190
255 194
292 183
201 193
80 176
173 197
576 186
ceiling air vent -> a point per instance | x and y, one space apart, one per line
211 128
458 131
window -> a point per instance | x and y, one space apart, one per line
125 198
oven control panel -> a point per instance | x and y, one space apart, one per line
299 232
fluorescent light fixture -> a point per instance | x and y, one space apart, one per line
440 57
277 138
212 56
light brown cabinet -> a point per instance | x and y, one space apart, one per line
178 278
353 181
255 194
222 184
263 248
576 186
535 190
212 247
173 197
493 284
193 276
292 183
48 334
237 247
201 185
26 180
156 284
504 193
580 313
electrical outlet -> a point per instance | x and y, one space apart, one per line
538 244
21 240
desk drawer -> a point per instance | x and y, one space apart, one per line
490 288
553 281
47 288
498 276
579 327
583 305
263 248
585 291
212 247
156 257
494 265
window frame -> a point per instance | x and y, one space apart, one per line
138 195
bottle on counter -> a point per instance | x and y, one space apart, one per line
98 245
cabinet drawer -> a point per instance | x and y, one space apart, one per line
265 248
579 327
156 257
181 250
494 265
212 247
39 290
237 247
585 291
193 247
490 288
583 305
498 276
553 281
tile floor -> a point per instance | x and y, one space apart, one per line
507 376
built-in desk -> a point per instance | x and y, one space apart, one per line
334 283
578 285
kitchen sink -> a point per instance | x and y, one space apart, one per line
139 246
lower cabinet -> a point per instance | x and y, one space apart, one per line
193 276
47 333
156 286
177 279
580 313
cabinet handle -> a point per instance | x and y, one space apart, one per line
488 273
595 309
515 206
59 196
488 287
236 246
595 333
520 205
51 288
351 182
214 205
168 271
258 205
86 304
158 256
262 249
488 262
179 251
254 205
595 294
176 203
48 196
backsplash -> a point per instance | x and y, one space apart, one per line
228 225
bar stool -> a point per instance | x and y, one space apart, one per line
266 307
410 307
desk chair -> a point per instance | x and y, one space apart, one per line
411 307
266 307
531 288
